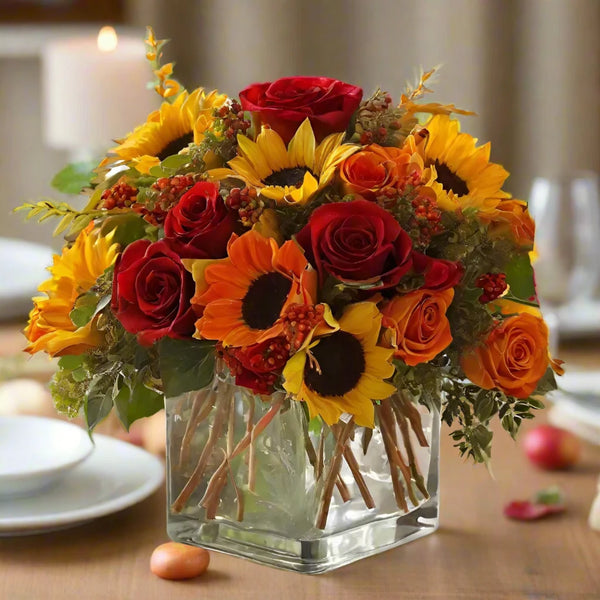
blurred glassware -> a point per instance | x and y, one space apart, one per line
567 239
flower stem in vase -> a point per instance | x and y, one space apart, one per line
196 477
211 497
201 407
334 470
392 453
312 458
360 481
412 462
412 414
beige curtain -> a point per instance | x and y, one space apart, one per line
529 68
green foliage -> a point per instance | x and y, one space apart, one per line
134 400
72 221
98 401
519 275
185 365
75 177
69 386
473 408
128 227
172 165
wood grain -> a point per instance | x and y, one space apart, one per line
477 554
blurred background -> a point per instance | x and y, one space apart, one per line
530 69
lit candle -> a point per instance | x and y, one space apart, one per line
95 90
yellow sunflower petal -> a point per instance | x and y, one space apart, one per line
302 146
273 149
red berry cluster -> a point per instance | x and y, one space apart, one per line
427 219
298 321
232 116
493 285
120 195
246 204
170 190
258 366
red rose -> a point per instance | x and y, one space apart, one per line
439 274
285 103
151 292
357 242
199 225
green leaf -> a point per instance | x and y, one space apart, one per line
546 384
128 228
315 425
170 165
551 495
135 404
74 177
70 362
98 403
84 309
519 275
79 375
484 406
185 365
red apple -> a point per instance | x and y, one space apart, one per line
551 447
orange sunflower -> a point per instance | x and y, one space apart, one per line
247 292
74 272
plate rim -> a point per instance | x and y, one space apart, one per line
53 521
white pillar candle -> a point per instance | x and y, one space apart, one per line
95 90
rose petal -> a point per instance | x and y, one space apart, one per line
523 510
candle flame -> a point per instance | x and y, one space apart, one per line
107 39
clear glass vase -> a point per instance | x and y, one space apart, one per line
250 476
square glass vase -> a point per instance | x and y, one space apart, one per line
251 476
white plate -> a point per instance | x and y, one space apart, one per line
117 475
22 269
36 452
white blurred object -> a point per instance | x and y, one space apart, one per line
36 452
25 397
578 320
94 89
567 238
22 269
577 404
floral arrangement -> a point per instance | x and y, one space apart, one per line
300 239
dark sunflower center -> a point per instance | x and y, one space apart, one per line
341 360
450 180
289 176
176 145
264 300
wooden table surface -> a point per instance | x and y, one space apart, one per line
476 554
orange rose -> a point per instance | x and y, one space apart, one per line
417 326
511 218
375 170
513 358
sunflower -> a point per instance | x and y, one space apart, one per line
247 293
345 371
291 174
169 129
73 273
460 173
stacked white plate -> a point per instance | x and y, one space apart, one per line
52 477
